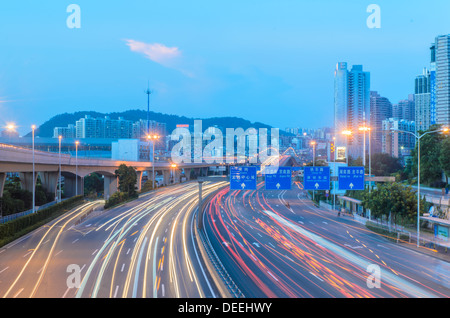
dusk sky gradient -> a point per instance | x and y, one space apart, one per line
266 61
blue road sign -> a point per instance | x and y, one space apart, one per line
351 178
278 178
243 178
316 178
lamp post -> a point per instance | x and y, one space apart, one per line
59 178
76 167
173 171
33 127
313 144
418 137
365 128
153 138
334 167
347 133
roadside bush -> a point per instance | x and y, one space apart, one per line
116 199
12 228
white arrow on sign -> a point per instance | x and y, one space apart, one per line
351 185
242 185
278 185
316 185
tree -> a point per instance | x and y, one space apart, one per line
444 156
127 180
383 164
393 199
430 169
93 183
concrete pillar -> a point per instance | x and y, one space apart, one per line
187 174
26 180
166 177
139 180
110 186
176 176
197 172
2 183
150 177
49 181
70 183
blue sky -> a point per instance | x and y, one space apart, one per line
267 61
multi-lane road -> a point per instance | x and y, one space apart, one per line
144 248
279 244
269 243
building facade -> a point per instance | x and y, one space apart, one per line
441 60
405 109
351 107
422 95
380 109
395 143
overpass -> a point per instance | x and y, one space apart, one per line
20 160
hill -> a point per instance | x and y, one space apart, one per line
63 120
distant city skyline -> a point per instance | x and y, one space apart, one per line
270 62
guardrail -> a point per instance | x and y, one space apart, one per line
211 254
14 216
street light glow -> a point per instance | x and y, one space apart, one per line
347 132
364 128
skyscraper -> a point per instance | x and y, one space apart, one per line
422 94
380 109
442 62
351 106
395 143
405 109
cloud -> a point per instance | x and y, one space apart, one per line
156 52
161 54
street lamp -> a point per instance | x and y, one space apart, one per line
153 138
418 137
11 127
365 128
173 171
334 167
33 128
59 179
347 133
313 144
76 167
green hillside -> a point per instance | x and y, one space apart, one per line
63 120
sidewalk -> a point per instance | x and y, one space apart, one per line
429 244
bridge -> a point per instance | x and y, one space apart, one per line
47 167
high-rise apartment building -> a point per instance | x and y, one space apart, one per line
351 107
142 128
65 132
422 95
405 109
398 144
380 109
440 56
89 127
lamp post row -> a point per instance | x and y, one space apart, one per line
418 137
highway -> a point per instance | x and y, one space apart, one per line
271 244
278 244
143 248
